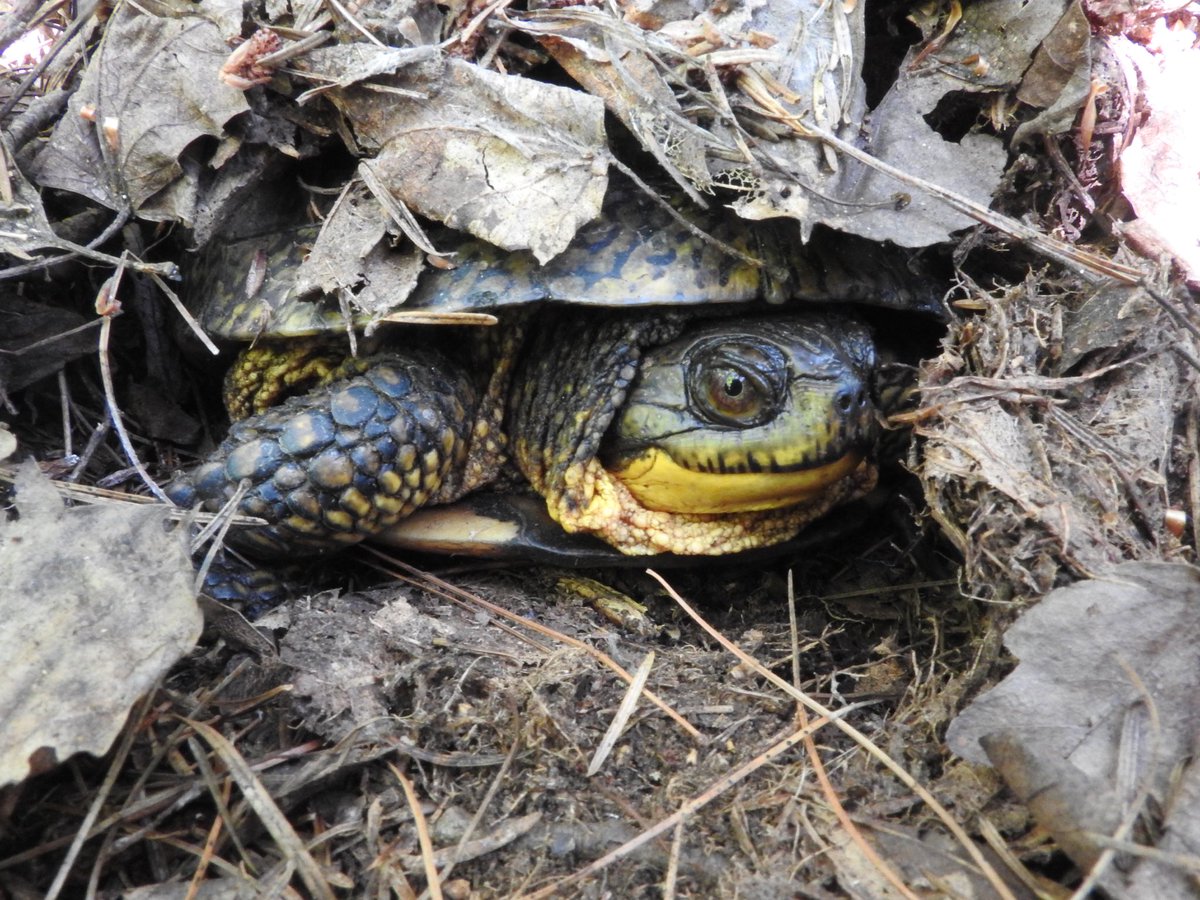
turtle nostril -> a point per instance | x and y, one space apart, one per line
844 401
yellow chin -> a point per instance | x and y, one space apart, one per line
660 483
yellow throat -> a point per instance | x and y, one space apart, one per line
659 482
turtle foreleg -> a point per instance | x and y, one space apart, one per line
345 461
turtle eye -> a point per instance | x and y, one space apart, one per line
737 383
730 395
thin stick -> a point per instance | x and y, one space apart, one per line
427 858
861 739
716 789
110 779
110 396
607 661
621 719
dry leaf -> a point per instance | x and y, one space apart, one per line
26 228
1100 710
97 604
355 225
156 79
1059 76
518 163
988 51
49 330
633 88
342 65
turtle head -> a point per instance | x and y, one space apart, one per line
743 415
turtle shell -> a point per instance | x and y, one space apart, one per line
635 254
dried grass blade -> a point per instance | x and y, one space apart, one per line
621 719
432 880
857 736
272 817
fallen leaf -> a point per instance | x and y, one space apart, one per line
988 51
97 604
1100 713
154 82
26 227
352 229
342 65
50 331
1059 78
634 89
515 162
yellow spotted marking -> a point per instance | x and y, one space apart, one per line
339 519
332 471
356 502
431 461
302 525
390 505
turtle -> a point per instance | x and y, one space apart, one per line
672 383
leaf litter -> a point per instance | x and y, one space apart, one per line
1095 728
1055 444
98 605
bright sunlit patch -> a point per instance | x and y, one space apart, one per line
27 51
